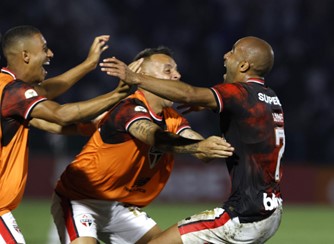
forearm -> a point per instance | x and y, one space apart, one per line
87 110
75 112
151 134
58 85
170 89
170 142
54 128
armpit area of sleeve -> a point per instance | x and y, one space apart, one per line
31 107
219 100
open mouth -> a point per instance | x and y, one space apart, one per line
45 64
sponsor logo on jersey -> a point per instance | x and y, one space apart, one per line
86 221
278 118
272 202
30 93
140 109
267 99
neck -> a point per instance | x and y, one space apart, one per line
19 72
154 101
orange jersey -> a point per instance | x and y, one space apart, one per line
115 166
16 101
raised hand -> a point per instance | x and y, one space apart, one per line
114 67
97 48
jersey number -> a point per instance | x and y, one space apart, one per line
280 142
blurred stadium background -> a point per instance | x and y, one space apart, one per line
199 33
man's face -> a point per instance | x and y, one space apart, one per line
39 54
231 62
163 67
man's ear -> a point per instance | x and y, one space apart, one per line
244 66
25 56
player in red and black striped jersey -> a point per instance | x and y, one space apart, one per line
251 119
24 101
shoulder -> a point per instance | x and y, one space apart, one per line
230 89
21 90
131 105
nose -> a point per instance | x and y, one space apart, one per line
176 75
226 55
50 53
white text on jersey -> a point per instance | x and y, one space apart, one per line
268 99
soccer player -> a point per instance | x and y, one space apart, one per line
126 164
251 119
24 100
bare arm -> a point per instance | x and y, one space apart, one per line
173 90
82 128
189 133
57 85
54 128
80 111
151 134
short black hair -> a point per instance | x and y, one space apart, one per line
15 34
148 52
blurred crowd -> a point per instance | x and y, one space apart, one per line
199 33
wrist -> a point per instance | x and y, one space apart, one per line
89 65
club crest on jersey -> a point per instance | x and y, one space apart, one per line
16 227
30 93
140 109
86 221
154 156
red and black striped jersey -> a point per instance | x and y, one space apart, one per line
251 119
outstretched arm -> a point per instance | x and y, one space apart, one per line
152 134
82 128
55 86
80 111
189 133
54 128
170 89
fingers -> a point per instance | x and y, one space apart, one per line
217 147
111 62
135 66
114 67
97 48
99 44
103 38
100 40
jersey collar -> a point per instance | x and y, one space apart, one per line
256 80
8 72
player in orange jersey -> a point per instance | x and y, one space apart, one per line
24 100
126 164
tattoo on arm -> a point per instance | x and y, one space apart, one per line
144 130
152 134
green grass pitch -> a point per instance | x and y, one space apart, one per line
300 224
